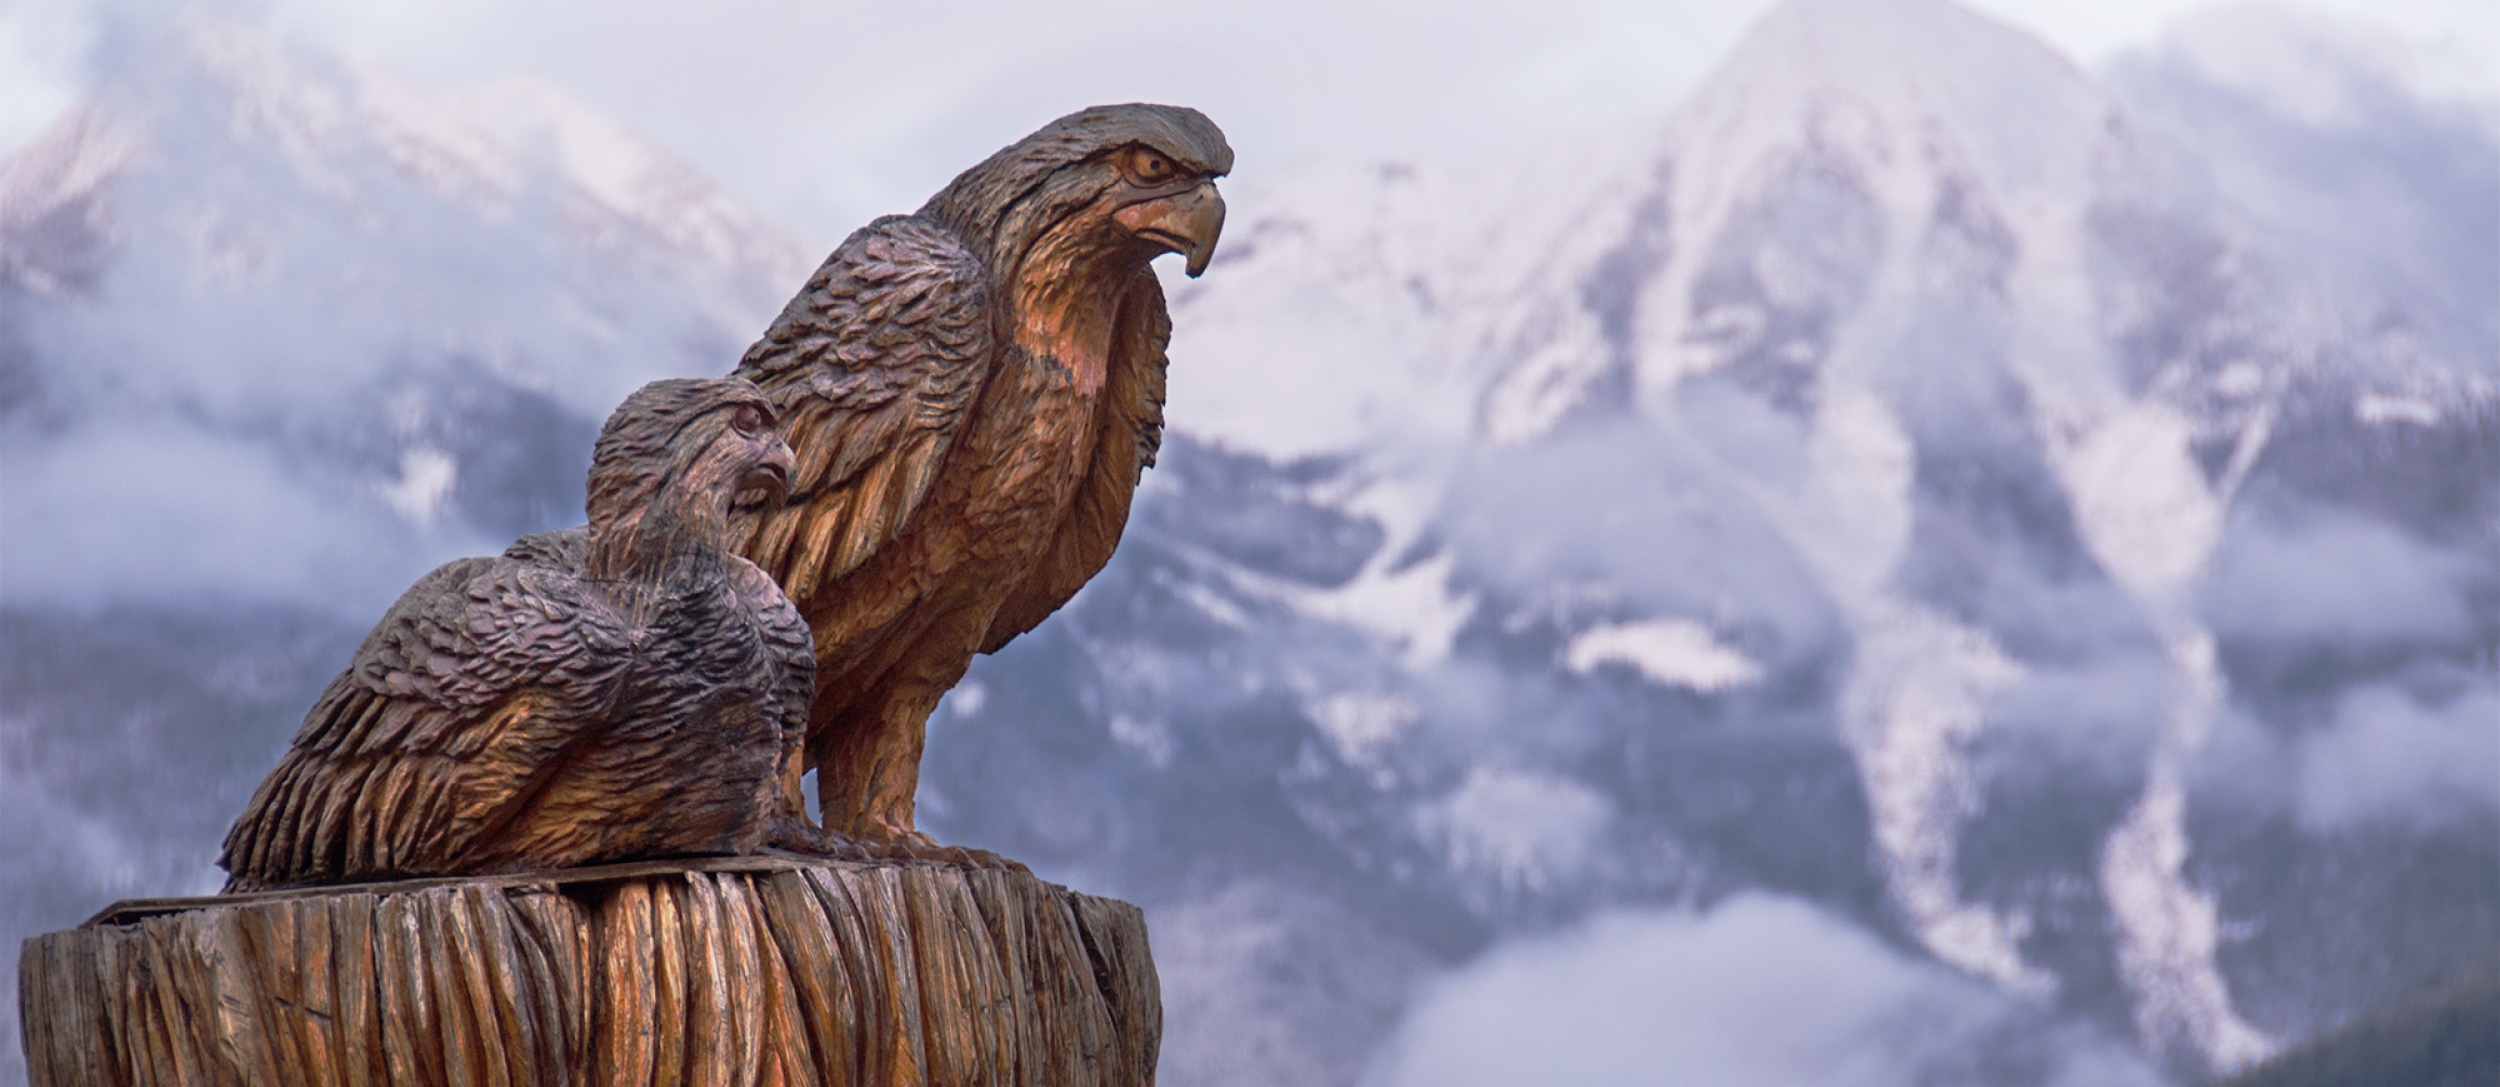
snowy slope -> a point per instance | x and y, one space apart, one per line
1906 538
305 291
1991 358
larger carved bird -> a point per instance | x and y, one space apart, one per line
629 689
973 392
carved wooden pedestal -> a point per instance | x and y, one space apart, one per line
731 971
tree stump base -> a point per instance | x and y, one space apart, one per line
750 970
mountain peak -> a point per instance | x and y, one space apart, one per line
1893 81
203 93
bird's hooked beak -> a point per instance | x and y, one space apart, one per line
771 476
1186 223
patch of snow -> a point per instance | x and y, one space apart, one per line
2140 502
1426 303
432 144
1414 608
2168 933
625 174
1551 379
1671 652
2166 930
68 162
2255 432
2376 409
426 478
1865 466
1917 697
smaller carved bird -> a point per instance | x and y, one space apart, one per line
621 690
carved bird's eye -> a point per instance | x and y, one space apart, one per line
750 419
1147 167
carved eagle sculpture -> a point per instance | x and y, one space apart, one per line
623 690
973 391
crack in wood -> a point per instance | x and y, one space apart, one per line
746 970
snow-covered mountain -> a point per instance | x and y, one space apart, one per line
276 335
1922 564
1940 435
246 280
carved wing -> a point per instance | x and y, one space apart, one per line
456 706
873 368
793 647
1126 436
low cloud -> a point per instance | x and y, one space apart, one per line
2417 756
134 512
1524 831
2392 755
304 353
1759 990
2324 575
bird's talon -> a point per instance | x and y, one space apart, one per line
915 846
800 836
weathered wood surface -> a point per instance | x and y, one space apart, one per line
623 689
746 971
972 392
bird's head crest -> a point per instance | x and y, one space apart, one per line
664 435
1001 205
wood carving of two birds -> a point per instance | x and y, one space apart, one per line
969 396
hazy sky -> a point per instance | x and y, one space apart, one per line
823 113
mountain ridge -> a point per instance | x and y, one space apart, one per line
1944 550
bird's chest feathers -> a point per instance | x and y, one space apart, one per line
1065 322
1042 406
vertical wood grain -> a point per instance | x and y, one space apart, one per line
793 975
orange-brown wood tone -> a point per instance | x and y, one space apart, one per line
740 971
972 391
627 689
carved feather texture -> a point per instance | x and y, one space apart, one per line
497 689
872 368
513 713
482 654
972 393
1129 434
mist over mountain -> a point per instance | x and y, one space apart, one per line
275 299
1921 564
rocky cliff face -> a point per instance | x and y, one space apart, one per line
1914 478
1917 509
